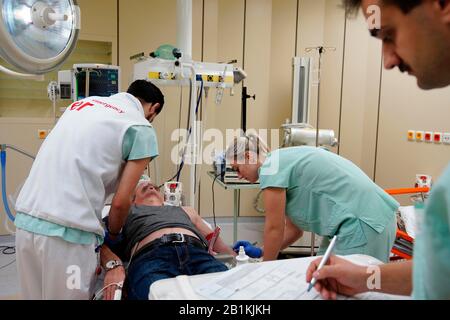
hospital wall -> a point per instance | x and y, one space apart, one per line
369 108
21 117
381 146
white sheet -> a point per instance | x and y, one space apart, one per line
409 217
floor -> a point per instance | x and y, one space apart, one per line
9 283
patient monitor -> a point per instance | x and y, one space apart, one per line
85 80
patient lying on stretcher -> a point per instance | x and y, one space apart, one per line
159 242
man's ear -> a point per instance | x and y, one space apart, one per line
444 7
155 108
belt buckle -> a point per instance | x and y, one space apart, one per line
180 241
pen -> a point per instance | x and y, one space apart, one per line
324 261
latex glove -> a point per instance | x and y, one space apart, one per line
250 250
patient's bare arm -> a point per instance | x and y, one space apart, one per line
219 246
115 275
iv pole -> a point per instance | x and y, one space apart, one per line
321 50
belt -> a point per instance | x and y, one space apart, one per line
171 239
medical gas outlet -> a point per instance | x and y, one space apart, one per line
429 137
42 134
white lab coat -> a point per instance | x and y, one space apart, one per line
79 163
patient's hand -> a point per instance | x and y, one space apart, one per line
116 275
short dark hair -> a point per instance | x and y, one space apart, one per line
352 6
147 91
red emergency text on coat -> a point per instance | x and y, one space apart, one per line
80 105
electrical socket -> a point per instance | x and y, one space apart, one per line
446 138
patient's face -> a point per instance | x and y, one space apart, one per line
148 193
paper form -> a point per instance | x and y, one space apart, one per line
274 280
261 281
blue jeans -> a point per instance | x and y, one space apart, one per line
168 261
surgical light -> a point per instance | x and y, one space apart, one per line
37 36
24 14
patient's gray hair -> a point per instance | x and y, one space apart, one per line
240 145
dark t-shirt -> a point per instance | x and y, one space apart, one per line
144 220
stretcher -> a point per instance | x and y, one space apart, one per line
403 241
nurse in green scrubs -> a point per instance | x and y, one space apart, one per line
311 189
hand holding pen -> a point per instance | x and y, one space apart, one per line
337 276
324 260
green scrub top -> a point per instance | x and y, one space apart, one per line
140 142
324 190
431 264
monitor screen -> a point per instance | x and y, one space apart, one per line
102 82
